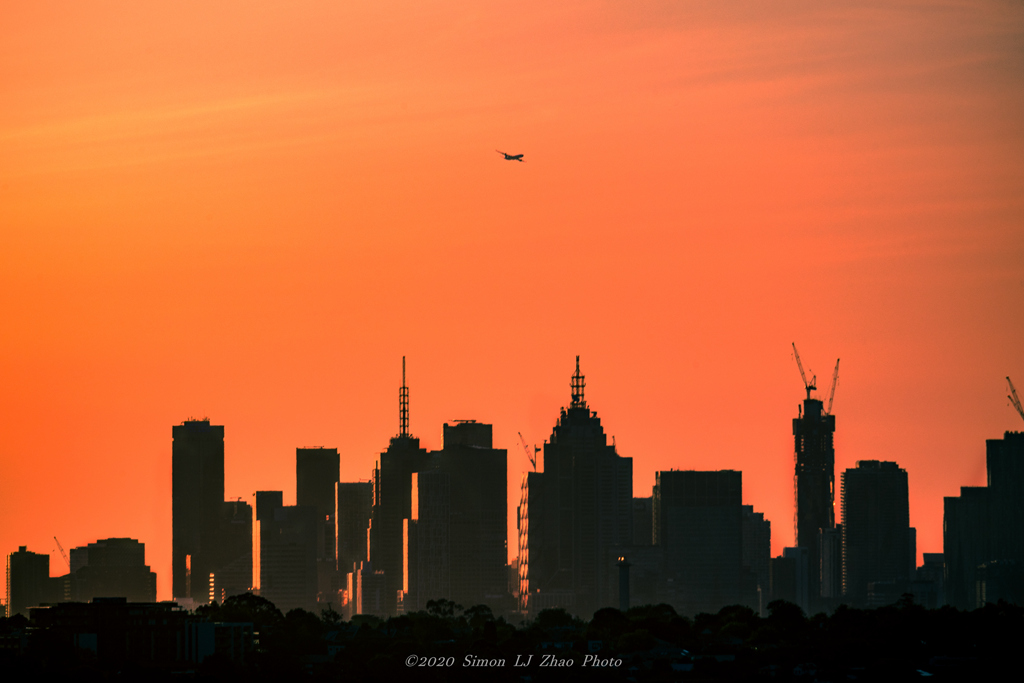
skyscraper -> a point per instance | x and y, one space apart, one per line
876 529
757 553
197 474
392 502
28 581
285 553
459 518
233 574
814 483
983 540
698 520
576 512
353 502
316 476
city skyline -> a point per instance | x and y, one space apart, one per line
253 215
403 414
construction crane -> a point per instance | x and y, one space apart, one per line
532 457
62 553
1013 398
809 386
832 392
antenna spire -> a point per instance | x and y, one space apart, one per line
577 384
403 405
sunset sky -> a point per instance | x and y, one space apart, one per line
250 211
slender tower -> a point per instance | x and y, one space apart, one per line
392 501
814 479
197 495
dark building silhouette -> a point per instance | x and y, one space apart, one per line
111 568
28 581
830 545
815 483
929 579
428 541
478 476
353 502
983 540
197 473
392 504
757 553
316 476
284 552
233 574
456 538
876 531
788 577
698 521
574 515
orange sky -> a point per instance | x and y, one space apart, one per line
251 210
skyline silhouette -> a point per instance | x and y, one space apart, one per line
196 442
250 215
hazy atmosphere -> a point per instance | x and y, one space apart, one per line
250 211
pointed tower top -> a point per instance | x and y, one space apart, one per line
403 405
577 384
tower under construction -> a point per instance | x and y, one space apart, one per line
814 480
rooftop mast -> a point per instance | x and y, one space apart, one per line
403 405
577 384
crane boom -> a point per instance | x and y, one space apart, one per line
1013 398
809 386
832 392
63 554
532 457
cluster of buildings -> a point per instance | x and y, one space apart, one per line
109 567
431 525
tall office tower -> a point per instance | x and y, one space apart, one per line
876 529
983 540
353 501
1005 464
478 475
757 553
112 568
28 581
197 473
392 502
263 514
460 514
814 482
698 520
233 574
578 509
316 475
428 542
285 552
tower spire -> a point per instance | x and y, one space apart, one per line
403 405
577 384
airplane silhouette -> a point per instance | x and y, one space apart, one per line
510 157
